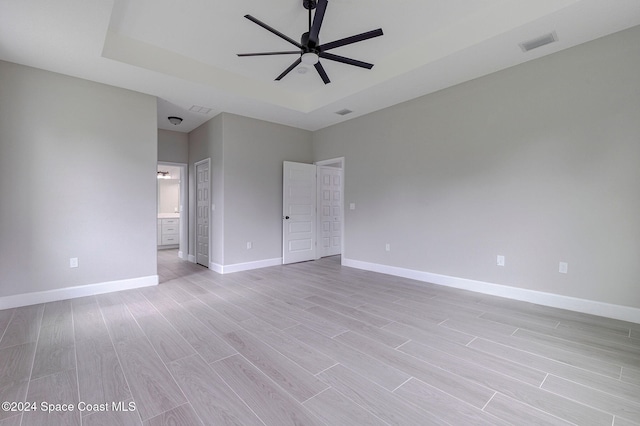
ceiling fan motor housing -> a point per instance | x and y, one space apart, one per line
309 45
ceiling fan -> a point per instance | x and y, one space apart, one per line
310 49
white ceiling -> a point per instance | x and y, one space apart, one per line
184 51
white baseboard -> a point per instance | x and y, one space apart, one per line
37 297
191 258
237 267
216 267
624 313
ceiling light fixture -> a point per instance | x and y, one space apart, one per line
164 175
175 120
310 58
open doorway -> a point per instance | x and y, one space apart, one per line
172 199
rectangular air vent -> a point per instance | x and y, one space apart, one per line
200 109
538 42
344 112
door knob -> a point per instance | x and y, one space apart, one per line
286 217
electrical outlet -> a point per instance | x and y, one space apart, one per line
352 206
500 260
387 247
249 245
563 267
73 262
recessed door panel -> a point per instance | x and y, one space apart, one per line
299 227
300 245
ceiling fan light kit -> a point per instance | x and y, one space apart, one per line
310 58
310 49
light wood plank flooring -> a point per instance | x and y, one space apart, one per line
314 344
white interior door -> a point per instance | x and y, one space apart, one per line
330 210
299 212
202 212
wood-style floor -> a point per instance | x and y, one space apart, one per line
313 344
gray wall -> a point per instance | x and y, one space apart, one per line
246 158
539 163
77 179
173 147
254 151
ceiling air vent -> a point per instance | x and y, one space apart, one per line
539 42
344 112
200 109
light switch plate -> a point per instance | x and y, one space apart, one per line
352 206
500 260
73 262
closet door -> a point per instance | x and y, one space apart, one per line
203 190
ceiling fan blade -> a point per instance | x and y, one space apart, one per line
274 31
288 70
322 72
344 60
288 52
314 32
352 39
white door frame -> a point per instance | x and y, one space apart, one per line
339 160
183 249
195 219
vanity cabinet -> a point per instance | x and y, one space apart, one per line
169 231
